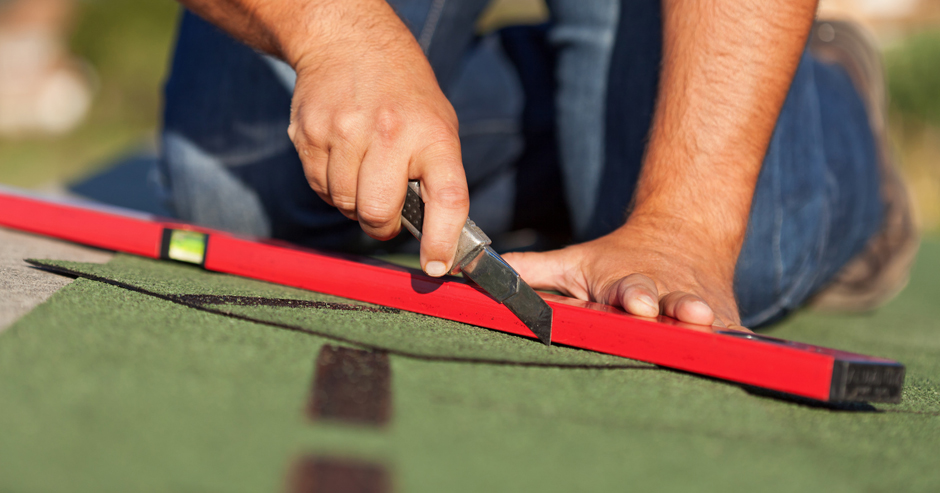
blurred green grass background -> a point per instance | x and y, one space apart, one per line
913 70
128 44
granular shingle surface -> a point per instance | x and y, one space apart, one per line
400 332
104 388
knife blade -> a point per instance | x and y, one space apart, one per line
482 265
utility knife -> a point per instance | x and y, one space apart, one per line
482 265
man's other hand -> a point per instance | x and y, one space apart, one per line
367 116
644 267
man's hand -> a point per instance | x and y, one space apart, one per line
367 113
647 267
367 117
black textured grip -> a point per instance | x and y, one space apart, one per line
413 210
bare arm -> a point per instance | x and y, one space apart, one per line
367 113
727 67
292 29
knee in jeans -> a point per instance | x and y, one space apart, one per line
203 191
782 261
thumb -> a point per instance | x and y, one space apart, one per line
549 270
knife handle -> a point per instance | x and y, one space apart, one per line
472 238
412 213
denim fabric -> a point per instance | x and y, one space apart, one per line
582 34
817 199
570 103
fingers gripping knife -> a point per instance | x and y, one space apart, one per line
485 267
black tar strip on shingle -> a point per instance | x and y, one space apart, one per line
311 474
351 385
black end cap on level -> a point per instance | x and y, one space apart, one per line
866 381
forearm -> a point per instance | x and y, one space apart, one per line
727 67
295 29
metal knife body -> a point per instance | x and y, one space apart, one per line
479 262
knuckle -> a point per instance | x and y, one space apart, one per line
437 247
343 202
692 298
307 131
348 125
627 289
384 233
638 281
376 216
313 179
388 123
672 299
453 197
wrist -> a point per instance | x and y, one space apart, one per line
696 198
335 29
698 245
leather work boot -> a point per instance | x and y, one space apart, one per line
881 270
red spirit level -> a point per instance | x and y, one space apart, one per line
790 367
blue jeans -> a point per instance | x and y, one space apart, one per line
553 122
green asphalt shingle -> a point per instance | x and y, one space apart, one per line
401 332
107 389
